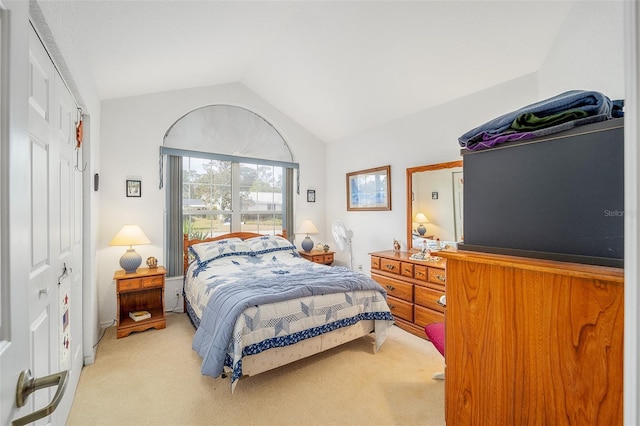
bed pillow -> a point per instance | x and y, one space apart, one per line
269 244
212 250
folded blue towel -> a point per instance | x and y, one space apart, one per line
489 141
593 103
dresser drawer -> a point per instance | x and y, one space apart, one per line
395 288
156 281
428 298
389 265
132 284
420 273
424 316
400 308
375 262
437 276
406 269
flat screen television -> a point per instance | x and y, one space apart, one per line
559 197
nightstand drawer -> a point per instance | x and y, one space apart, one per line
130 284
317 256
156 281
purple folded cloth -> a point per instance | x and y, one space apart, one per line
487 140
590 102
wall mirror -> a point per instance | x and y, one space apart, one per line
434 203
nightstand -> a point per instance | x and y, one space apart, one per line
142 290
316 256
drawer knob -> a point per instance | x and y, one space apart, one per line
390 287
441 278
390 267
392 306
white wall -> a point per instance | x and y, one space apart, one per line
587 54
427 137
132 132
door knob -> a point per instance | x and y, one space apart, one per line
27 384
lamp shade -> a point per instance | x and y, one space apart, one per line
130 235
307 227
421 218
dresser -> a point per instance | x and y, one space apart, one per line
532 342
414 288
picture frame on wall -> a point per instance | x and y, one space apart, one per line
311 195
134 188
369 190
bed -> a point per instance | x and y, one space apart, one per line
257 305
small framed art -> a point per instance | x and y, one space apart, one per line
134 188
311 195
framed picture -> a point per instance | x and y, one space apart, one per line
311 195
369 189
134 188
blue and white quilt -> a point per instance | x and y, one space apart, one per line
248 302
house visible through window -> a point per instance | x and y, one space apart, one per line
226 196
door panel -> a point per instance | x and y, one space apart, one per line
41 226
43 288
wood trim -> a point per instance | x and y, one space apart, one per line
410 172
578 270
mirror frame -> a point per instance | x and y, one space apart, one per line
410 172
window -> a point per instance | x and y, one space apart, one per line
212 194
228 170
225 196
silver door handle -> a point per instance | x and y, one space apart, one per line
27 384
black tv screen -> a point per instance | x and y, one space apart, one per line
560 197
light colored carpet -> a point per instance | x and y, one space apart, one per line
153 378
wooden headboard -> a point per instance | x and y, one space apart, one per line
242 235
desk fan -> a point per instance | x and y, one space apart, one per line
342 237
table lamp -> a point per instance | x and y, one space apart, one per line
130 235
307 227
421 219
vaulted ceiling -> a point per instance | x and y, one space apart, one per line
335 67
